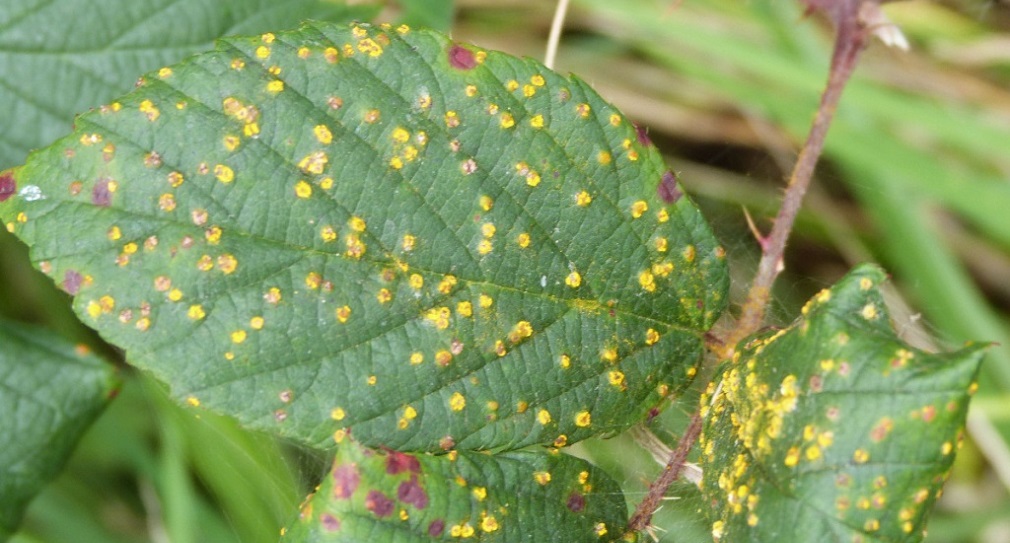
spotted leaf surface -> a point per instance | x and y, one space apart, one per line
60 57
833 429
383 495
378 229
50 392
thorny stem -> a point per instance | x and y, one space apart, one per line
642 517
851 38
849 44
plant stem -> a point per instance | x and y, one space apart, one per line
642 517
849 43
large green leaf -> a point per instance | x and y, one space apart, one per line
833 429
50 392
60 57
380 229
387 495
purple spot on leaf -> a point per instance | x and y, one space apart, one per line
667 189
398 462
462 58
72 282
643 135
330 523
345 481
379 504
576 502
412 493
8 186
101 195
436 527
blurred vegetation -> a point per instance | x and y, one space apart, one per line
916 176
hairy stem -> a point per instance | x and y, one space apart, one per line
642 517
849 44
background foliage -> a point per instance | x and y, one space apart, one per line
915 177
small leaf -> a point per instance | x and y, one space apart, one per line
376 228
50 392
833 429
384 495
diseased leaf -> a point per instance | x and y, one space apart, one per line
833 429
56 65
435 245
50 392
372 495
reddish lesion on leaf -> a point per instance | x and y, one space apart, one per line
462 58
8 185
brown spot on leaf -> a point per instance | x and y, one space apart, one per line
72 280
100 194
330 523
576 502
411 492
398 462
667 189
461 58
379 504
8 185
345 481
643 135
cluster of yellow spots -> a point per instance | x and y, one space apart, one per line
443 358
616 378
542 477
384 296
409 414
647 281
328 233
631 153
532 176
238 336
227 263
257 322
544 417
484 246
447 284
314 162
343 313
457 402
485 301
583 199
651 337
103 305
416 281
523 240
638 209
583 419
583 110
600 529
869 312
464 309
313 280
355 247
273 296
149 110
196 312
166 202
522 330
537 121
175 179
224 174
248 115
499 348
408 243
439 316
573 279
507 120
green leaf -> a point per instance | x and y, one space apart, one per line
833 429
56 65
50 392
381 229
372 495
